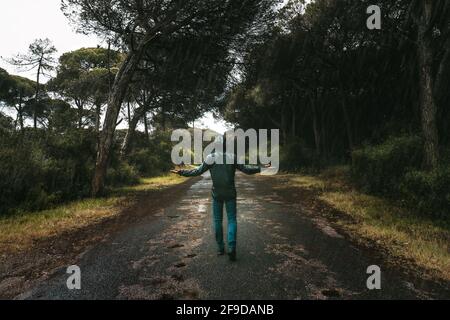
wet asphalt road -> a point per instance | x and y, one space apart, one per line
282 254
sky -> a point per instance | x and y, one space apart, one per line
22 21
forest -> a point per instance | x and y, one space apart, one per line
375 101
342 93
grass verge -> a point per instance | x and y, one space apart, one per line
20 230
402 231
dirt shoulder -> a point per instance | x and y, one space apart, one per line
415 246
22 267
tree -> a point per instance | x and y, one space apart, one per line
323 78
180 78
5 84
62 117
16 92
137 24
21 93
40 56
433 51
83 77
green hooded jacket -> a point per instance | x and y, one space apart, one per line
222 174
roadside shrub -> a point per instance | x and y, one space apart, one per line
154 155
19 173
381 168
122 174
41 169
295 156
147 163
428 191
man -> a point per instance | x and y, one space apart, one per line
223 194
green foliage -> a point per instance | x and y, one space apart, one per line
22 88
84 74
15 92
393 169
83 78
295 156
380 168
322 76
40 55
122 174
40 169
6 123
5 84
154 156
61 116
429 192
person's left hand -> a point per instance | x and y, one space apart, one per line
267 166
175 171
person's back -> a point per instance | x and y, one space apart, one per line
222 176
223 170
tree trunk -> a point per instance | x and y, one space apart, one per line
316 128
284 126
128 111
147 135
117 95
163 114
20 112
294 121
427 101
348 125
324 136
80 114
98 110
36 99
132 124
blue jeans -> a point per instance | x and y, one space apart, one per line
230 206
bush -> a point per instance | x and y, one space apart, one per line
38 170
122 174
147 163
295 156
428 191
154 157
41 168
381 168
19 174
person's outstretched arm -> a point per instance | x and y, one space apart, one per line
247 169
195 172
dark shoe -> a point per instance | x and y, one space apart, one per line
232 255
221 252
